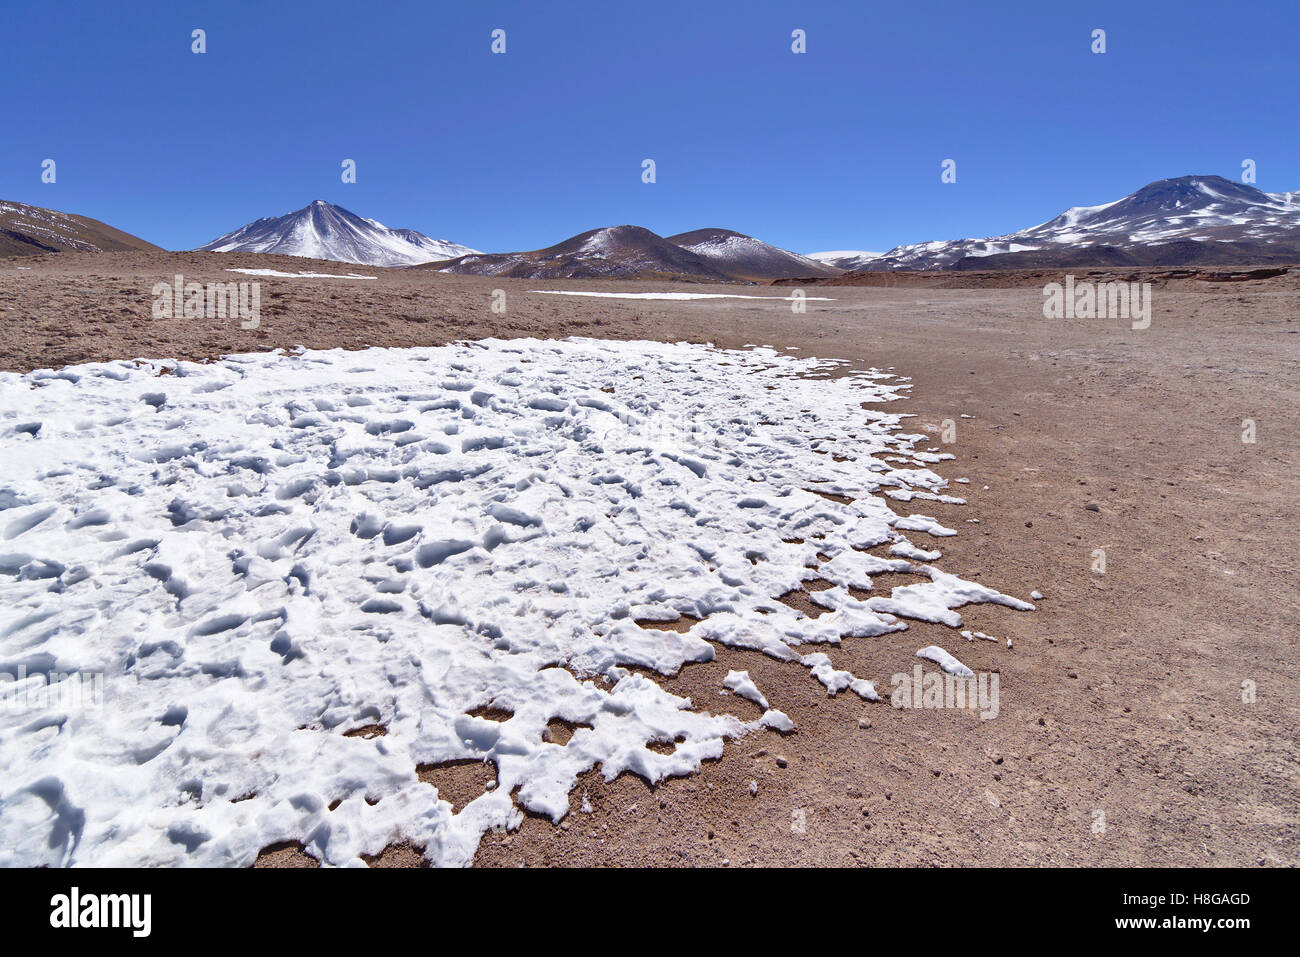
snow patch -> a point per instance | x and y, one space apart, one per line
261 554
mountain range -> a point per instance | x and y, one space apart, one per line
1188 220
1184 221
845 258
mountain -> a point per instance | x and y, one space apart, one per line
324 231
744 257
845 258
1182 221
624 252
633 252
30 230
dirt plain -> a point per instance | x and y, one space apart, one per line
1122 695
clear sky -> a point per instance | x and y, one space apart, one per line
837 148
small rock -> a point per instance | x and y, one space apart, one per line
781 762
1092 507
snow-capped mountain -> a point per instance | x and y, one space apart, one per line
845 258
1187 219
324 231
624 252
31 230
744 257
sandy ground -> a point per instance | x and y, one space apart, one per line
1122 695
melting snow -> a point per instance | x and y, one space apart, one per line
264 553
675 296
298 275
945 661
743 685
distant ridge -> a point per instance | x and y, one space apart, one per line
1187 220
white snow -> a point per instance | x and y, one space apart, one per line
743 685
261 553
777 721
297 275
836 680
673 296
842 254
945 661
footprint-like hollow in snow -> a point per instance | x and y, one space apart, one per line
435 553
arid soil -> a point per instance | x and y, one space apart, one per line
1122 738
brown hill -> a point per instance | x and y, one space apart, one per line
617 252
31 230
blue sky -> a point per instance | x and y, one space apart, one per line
837 148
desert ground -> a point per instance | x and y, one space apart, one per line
1122 696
